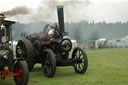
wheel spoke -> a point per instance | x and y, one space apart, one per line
82 58
81 54
79 68
75 56
82 64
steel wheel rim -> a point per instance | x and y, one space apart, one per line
79 65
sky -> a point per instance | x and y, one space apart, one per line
74 10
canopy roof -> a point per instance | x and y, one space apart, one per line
8 22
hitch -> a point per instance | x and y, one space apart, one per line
6 73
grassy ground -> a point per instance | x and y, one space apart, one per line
106 67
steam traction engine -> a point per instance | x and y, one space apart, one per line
8 65
51 48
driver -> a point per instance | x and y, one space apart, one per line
51 35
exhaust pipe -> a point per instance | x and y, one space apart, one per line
1 19
60 19
1 24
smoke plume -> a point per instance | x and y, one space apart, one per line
47 10
17 11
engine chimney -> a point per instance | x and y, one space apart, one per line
1 24
1 19
60 19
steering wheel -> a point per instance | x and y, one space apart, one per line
24 34
47 28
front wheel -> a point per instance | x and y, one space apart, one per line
49 65
82 60
22 72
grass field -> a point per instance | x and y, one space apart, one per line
106 67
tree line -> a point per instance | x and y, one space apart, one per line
80 31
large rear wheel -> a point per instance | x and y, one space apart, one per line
24 49
22 72
49 65
82 60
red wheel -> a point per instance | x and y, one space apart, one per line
19 72
22 72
